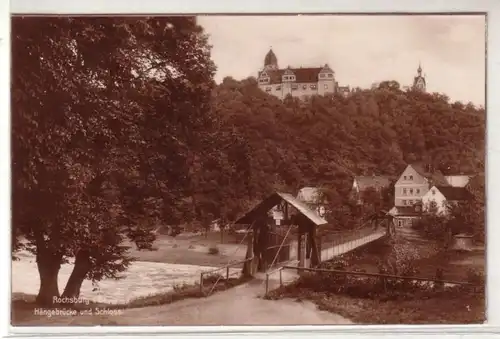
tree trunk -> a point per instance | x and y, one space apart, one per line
80 270
48 268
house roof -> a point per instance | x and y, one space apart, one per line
309 194
373 181
404 211
454 193
436 177
273 200
302 75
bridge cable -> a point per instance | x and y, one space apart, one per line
237 247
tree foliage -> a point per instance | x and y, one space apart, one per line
107 115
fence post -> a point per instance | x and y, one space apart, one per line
201 283
267 283
281 277
227 273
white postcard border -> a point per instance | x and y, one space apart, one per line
492 7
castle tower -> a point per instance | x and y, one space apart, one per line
419 81
271 61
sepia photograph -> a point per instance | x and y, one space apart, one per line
248 170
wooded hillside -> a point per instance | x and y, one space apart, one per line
267 144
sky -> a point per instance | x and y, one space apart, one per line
360 49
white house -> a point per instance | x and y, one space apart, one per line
444 195
458 180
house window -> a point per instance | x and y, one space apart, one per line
278 88
326 86
404 191
404 178
268 89
400 223
304 86
433 192
294 87
404 202
313 86
330 75
411 177
410 202
418 190
411 191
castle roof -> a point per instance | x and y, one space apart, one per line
302 75
270 58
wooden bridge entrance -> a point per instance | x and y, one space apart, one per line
270 244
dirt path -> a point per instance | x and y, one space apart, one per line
238 306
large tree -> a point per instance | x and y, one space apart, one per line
107 114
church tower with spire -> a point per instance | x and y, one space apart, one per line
419 83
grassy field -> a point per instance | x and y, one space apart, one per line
193 250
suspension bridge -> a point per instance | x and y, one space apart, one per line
296 241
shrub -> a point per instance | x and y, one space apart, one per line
213 250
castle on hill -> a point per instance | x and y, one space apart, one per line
307 81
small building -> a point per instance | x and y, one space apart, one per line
463 242
313 197
405 216
443 196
